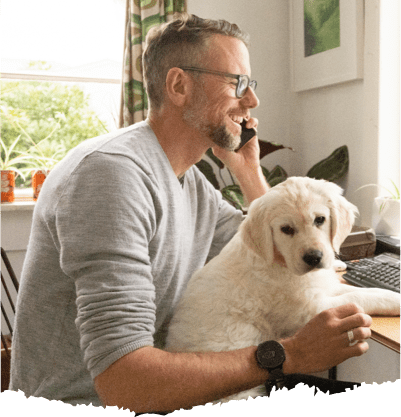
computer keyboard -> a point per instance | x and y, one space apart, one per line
381 271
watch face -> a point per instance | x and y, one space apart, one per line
270 354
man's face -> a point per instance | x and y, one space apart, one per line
215 110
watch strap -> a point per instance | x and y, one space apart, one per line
272 360
276 379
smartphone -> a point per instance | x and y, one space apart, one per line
246 135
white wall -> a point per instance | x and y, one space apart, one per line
316 122
389 92
348 113
267 22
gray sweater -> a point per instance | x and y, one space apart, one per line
115 238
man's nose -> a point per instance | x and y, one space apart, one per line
250 99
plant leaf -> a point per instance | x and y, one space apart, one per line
233 194
214 158
332 168
207 171
8 152
269 147
396 195
276 175
17 171
265 172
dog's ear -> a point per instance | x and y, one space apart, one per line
342 214
256 232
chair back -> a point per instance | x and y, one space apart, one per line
9 291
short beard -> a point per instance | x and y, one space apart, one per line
195 116
223 138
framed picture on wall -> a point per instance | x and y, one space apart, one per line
326 42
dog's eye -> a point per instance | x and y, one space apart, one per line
288 230
320 220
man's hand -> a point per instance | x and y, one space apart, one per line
246 157
323 342
245 165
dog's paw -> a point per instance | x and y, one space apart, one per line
388 302
394 303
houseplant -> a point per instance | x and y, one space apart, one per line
386 210
34 161
9 170
38 160
43 156
332 168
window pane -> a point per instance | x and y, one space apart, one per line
80 41
72 32
50 118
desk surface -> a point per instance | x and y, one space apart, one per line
385 330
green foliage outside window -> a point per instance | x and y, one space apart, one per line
50 118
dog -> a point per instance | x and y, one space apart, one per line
274 276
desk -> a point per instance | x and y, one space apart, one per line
386 331
382 361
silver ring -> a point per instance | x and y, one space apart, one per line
350 337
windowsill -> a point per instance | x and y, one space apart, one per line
18 205
23 201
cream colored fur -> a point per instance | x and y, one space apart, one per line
260 288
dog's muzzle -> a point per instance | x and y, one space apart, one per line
313 258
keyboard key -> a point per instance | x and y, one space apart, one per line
374 273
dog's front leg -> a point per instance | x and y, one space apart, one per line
372 300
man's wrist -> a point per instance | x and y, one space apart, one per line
253 184
289 366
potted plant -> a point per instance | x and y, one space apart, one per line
34 162
9 170
386 211
41 157
332 168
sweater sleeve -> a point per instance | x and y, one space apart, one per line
105 220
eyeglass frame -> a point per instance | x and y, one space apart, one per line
250 83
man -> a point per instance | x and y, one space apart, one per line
124 221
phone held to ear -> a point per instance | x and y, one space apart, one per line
246 135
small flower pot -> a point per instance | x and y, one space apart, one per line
38 178
7 186
386 216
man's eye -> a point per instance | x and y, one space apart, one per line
288 230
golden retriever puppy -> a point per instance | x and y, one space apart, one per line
275 275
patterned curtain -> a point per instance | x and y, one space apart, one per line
141 15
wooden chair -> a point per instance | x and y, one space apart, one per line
7 314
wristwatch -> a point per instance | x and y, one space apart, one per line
270 355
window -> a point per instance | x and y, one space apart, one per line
61 73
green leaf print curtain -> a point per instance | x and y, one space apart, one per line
141 15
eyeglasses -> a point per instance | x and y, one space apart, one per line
243 80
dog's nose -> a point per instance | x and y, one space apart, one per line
313 257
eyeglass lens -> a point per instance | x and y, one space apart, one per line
243 83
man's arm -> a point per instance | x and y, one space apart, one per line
150 379
253 183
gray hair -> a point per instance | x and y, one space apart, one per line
181 42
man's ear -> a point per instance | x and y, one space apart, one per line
178 86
